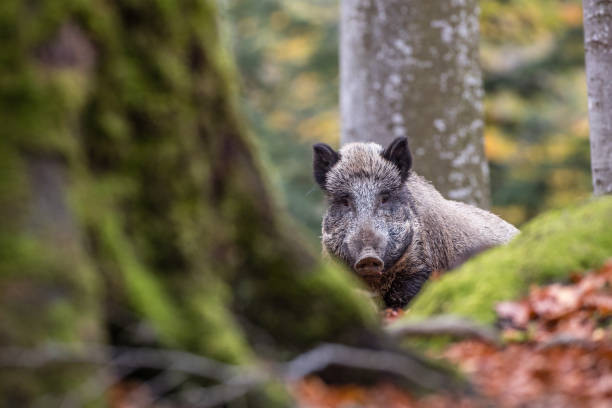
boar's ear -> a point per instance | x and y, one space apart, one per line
324 159
398 153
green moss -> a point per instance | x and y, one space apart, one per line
306 307
48 291
549 248
143 291
217 333
197 319
331 282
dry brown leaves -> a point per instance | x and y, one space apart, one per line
564 358
558 354
313 393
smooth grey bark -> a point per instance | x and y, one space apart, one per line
598 55
410 68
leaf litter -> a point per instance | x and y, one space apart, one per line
557 352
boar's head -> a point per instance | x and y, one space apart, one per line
369 219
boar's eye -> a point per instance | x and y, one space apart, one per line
344 201
384 197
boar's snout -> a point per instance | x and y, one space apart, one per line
368 263
366 247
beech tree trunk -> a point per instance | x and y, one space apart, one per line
410 68
598 52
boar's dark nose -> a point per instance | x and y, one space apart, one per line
369 263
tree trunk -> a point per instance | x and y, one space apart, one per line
131 197
410 68
598 51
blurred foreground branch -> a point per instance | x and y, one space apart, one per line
445 325
233 381
402 365
130 357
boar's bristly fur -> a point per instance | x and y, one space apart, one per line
391 226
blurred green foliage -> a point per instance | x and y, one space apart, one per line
536 132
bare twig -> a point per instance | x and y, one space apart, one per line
235 380
399 364
157 387
204 397
135 357
566 340
444 325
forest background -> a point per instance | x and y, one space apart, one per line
143 258
536 121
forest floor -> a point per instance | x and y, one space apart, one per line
556 352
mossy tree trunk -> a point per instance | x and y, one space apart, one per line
130 194
410 68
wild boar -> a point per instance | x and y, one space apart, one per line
390 225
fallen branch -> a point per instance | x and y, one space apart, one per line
567 340
444 325
235 381
406 366
130 357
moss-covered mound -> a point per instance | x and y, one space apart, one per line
549 248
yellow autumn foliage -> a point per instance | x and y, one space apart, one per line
571 13
296 49
323 127
280 119
304 90
497 147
